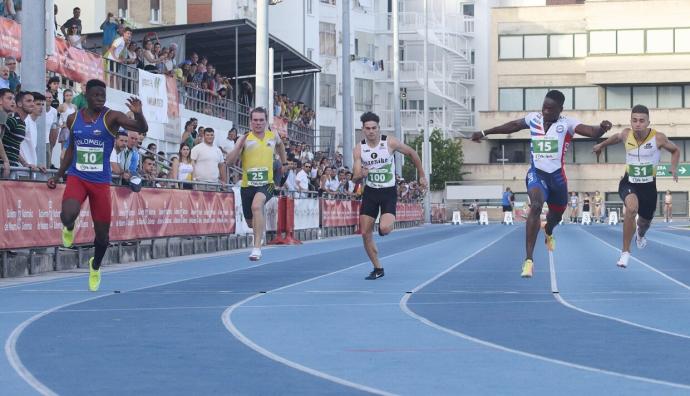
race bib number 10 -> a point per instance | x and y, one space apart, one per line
89 159
257 176
544 147
641 173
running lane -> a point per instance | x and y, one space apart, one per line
362 332
170 339
485 298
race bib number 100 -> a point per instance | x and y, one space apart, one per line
544 147
257 176
89 159
641 173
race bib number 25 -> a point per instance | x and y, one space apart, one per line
257 176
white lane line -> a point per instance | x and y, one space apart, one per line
406 309
552 270
561 300
229 324
668 277
11 342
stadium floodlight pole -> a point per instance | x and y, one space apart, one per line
395 62
346 83
426 147
261 98
34 64
270 86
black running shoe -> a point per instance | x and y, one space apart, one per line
375 274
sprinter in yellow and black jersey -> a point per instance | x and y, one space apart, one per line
257 150
637 188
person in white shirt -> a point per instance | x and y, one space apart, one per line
118 150
306 154
302 180
118 48
290 185
28 147
208 160
228 144
331 185
51 126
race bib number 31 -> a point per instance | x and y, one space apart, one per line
641 173
90 159
257 176
544 147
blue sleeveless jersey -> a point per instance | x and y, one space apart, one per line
93 143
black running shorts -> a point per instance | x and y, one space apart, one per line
247 195
374 199
646 195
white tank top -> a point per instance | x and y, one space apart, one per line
641 159
380 163
185 171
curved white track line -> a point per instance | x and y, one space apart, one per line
406 309
560 299
11 342
230 326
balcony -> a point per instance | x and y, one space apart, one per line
410 119
413 22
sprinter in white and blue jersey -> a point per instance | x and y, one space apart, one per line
93 131
550 134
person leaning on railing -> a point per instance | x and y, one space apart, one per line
182 167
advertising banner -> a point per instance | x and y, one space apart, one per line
153 92
306 213
10 38
74 63
30 214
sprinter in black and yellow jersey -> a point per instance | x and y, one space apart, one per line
637 188
257 150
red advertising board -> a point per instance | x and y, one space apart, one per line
10 38
339 213
74 63
30 214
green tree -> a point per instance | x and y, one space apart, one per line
446 160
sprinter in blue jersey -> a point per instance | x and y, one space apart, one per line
87 163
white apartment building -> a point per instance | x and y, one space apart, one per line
314 29
604 65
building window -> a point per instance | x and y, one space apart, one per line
155 10
364 94
534 98
580 45
536 47
561 46
682 40
582 151
660 41
686 102
510 99
602 42
310 7
670 97
630 42
510 47
123 8
645 96
331 2
654 97
531 99
310 53
327 90
615 154
327 39
586 98
468 9
618 98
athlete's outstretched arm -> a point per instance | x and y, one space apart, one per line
613 139
507 128
67 158
357 172
663 142
401 147
593 131
138 124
